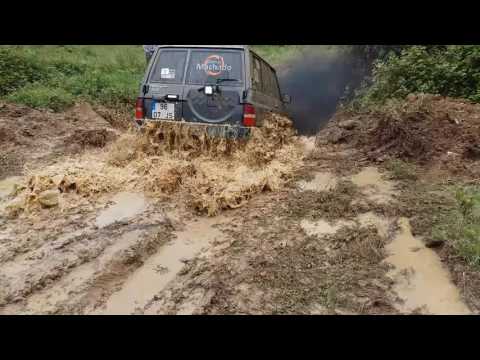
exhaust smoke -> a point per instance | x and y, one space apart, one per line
317 84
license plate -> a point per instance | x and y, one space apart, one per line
163 110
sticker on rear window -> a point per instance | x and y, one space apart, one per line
167 73
214 65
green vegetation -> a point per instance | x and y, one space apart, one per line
42 96
452 70
278 54
460 226
54 77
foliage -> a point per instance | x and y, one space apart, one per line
452 70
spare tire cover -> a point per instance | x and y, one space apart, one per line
215 108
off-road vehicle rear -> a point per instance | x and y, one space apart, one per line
226 88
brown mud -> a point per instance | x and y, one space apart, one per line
171 223
35 138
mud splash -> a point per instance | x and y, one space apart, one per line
8 185
210 176
421 281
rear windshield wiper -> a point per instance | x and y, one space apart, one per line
219 81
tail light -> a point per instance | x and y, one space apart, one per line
249 115
139 109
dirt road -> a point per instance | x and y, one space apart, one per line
328 239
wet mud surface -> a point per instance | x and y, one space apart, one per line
290 228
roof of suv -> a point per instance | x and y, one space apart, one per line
209 46
244 47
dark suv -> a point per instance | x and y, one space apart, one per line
226 86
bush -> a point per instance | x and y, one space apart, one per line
461 226
445 70
41 96
18 69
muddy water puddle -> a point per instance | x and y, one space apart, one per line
421 281
371 219
125 205
322 227
373 185
323 181
150 279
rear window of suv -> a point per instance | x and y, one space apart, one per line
169 67
205 66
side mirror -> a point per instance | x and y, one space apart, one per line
286 99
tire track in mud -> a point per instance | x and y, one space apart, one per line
152 277
76 270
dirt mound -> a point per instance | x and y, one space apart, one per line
120 118
91 137
423 129
30 137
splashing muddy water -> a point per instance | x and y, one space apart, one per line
8 185
421 281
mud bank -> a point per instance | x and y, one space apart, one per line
32 138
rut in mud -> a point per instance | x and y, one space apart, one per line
274 226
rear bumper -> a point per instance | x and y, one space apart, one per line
213 130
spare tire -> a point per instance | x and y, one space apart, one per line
213 109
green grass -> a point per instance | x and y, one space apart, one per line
278 54
42 96
55 77
460 227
